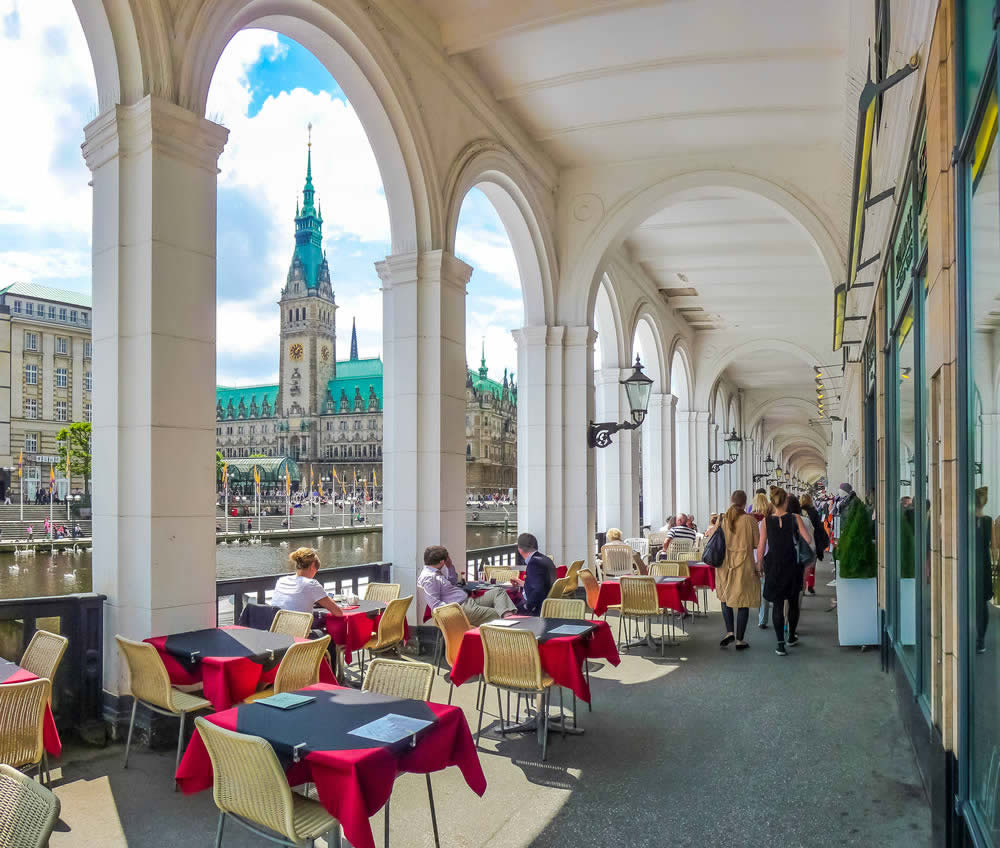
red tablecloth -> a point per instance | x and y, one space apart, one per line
670 595
353 629
225 680
50 736
562 657
702 575
353 785
561 571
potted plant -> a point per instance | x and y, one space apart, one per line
857 582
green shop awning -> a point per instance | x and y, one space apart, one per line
270 468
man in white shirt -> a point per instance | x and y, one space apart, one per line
441 586
301 591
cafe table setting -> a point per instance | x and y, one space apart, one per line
11 672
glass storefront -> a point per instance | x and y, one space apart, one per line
905 490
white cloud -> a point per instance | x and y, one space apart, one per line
246 328
50 94
488 251
51 264
236 380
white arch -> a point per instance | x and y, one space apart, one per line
347 43
114 52
646 335
759 412
496 172
608 324
681 375
635 208
714 368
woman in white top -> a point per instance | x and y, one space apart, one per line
301 591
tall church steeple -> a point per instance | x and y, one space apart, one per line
482 363
309 229
354 340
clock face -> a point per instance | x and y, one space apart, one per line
295 351
325 353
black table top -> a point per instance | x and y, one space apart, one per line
8 669
325 724
543 627
261 646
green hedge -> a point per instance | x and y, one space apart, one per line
856 553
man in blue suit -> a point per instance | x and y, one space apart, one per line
539 573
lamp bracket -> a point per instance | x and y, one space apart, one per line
599 435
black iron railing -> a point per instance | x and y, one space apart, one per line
76 690
239 589
503 555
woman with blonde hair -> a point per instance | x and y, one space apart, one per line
301 591
614 537
782 572
737 581
762 508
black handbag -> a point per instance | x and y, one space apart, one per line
715 551
804 554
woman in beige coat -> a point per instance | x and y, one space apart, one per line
738 578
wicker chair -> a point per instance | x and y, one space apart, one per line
573 577
500 573
680 546
44 653
402 679
639 601
150 686
558 588
511 662
593 590
291 623
453 624
22 713
249 786
639 545
563 608
299 667
381 592
616 560
656 539
391 631
28 811
669 568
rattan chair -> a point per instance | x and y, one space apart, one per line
28 811
249 786
391 631
44 653
563 608
639 545
381 592
22 717
639 602
453 624
292 623
402 679
593 590
616 560
573 577
299 667
500 573
680 546
558 588
511 662
669 568
150 686
656 539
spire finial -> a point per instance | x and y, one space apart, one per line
482 363
354 339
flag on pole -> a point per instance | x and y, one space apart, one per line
20 463
52 478
366 489
319 478
355 476
288 482
310 481
374 480
225 474
68 454
256 477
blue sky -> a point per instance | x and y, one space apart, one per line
266 90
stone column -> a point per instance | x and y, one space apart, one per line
423 452
658 456
701 428
154 169
683 460
616 465
555 467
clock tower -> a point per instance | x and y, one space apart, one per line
308 323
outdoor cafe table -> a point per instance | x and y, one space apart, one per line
355 627
671 593
562 656
230 662
478 588
702 576
353 775
13 673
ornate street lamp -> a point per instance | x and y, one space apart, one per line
768 463
637 388
733 443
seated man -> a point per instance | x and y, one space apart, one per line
539 573
441 586
302 591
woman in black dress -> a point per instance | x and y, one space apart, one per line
782 572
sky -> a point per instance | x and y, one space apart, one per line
266 90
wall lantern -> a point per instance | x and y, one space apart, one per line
637 388
733 443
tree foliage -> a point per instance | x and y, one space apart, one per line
76 439
220 460
856 554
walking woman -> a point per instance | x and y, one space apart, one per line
761 509
819 533
737 581
782 572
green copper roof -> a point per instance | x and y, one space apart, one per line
357 375
251 397
73 298
270 468
309 229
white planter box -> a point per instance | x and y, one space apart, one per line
907 611
857 610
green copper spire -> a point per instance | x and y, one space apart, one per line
482 363
308 228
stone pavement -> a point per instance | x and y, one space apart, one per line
704 748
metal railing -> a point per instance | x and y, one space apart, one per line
239 589
504 555
76 691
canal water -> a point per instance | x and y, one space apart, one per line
63 572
